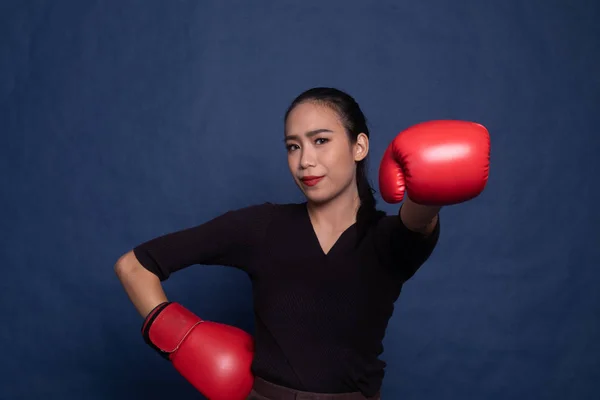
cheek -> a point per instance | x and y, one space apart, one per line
340 157
293 161
340 164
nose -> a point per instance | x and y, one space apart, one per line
307 158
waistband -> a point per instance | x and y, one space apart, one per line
273 391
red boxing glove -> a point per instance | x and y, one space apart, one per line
213 357
437 163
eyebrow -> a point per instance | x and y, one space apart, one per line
309 134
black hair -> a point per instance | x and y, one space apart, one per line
354 122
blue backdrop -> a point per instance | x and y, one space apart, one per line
125 120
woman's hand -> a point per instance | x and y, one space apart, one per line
437 163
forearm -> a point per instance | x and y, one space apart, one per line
142 286
418 217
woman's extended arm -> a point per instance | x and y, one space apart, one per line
417 217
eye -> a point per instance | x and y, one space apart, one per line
291 147
322 141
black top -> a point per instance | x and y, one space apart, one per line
320 318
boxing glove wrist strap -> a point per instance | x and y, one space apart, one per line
167 326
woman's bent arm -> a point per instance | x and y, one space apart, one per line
142 286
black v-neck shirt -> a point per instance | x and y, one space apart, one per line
320 318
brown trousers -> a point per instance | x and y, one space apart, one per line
263 390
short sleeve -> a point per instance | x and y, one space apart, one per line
403 250
231 239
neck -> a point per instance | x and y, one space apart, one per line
338 213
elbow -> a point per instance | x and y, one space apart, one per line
125 264
128 268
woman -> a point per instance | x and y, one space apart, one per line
325 272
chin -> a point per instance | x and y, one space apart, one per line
317 198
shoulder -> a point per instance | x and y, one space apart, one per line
271 207
265 212
281 208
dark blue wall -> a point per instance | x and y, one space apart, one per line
125 120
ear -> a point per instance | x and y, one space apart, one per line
361 147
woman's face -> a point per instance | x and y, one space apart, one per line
321 157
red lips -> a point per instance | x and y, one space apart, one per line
311 180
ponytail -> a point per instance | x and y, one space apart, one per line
367 212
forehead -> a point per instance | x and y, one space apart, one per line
311 116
